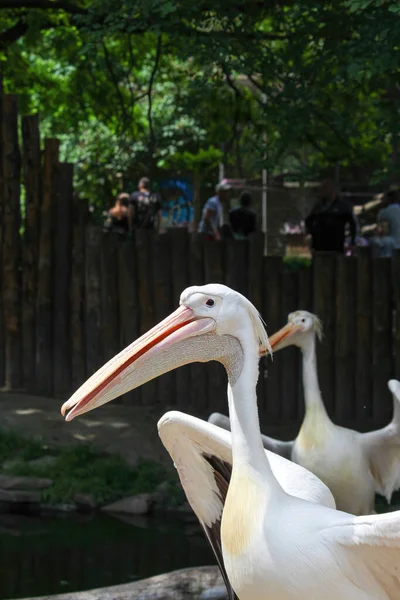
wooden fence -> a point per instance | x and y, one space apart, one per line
72 296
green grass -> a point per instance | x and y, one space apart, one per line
81 469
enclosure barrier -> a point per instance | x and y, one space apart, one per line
73 296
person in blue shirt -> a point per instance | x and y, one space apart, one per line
212 217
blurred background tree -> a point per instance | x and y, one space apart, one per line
136 87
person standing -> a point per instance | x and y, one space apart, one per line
144 208
242 219
212 217
390 214
328 220
117 216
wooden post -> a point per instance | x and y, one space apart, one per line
44 297
382 356
128 304
236 263
289 357
324 284
363 390
164 304
2 341
144 241
93 314
32 173
198 372
110 243
11 244
62 280
77 292
179 270
214 273
345 346
396 296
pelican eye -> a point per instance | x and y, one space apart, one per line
210 302
303 320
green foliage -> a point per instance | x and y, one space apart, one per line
12 445
134 87
80 469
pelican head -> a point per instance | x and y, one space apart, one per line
300 327
210 321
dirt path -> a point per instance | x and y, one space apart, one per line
125 430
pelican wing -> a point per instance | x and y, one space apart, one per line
202 454
372 549
276 446
383 449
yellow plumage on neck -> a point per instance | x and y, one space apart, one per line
314 429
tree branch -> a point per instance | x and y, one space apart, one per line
150 90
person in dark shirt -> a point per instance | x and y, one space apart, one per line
242 219
144 208
328 220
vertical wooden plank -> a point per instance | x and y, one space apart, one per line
345 347
44 296
180 281
364 336
77 292
2 343
382 352
11 244
289 367
324 288
198 372
396 311
93 314
272 302
62 280
144 241
32 173
109 294
128 304
164 303
255 295
236 261
217 381
306 289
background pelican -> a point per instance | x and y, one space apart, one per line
353 465
271 544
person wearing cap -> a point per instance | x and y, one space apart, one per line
212 216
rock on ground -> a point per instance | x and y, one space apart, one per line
140 504
11 482
199 583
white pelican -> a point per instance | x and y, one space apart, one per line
271 545
353 465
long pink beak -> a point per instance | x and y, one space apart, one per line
156 352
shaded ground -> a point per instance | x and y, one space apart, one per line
128 431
